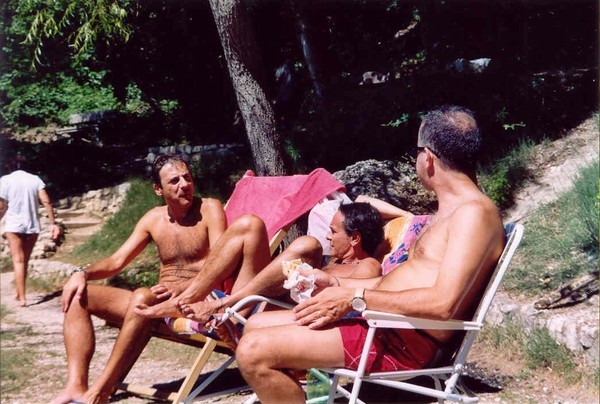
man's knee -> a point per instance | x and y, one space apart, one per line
250 349
142 296
306 246
247 223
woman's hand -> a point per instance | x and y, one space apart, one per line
328 306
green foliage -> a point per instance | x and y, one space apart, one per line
397 122
216 177
513 126
52 99
87 20
134 102
501 178
561 241
498 187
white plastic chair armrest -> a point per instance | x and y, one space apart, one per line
252 299
380 319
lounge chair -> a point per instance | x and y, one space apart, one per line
449 365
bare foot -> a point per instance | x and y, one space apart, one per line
92 397
22 302
168 308
67 396
201 311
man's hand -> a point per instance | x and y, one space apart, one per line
162 292
322 279
73 290
329 305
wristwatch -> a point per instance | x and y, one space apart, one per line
358 301
80 269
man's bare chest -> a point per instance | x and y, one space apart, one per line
181 243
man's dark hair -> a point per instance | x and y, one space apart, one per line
452 134
163 160
364 219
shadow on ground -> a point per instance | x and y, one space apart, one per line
370 393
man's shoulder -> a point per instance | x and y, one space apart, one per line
154 212
476 214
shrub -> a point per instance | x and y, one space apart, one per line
53 98
501 178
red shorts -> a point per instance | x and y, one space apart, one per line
392 349
227 286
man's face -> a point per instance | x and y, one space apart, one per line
176 184
339 240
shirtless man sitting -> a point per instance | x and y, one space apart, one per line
184 231
443 278
354 235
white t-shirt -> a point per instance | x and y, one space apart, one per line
20 190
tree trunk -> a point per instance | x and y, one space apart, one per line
247 76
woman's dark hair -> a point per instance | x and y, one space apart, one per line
163 160
361 217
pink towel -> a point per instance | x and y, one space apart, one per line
279 201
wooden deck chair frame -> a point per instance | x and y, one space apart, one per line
453 390
208 346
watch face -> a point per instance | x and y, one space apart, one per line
359 304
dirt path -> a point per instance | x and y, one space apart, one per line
32 343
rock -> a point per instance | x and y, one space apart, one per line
393 181
574 327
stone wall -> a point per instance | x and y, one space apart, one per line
101 203
195 153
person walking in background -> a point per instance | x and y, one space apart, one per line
20 195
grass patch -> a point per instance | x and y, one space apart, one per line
15 369
536 350
542 351
501 178
561 239
15 363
